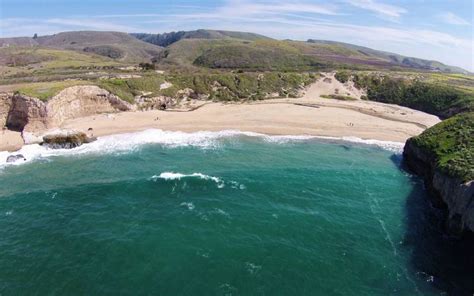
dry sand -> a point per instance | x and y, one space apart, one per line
310 115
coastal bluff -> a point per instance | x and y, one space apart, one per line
442 156
28 114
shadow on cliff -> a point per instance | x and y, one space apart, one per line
444 262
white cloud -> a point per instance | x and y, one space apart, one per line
381 9
452 19
13 27
89 23
242 7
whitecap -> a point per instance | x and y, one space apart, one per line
179 176
252 268
221 212
189 205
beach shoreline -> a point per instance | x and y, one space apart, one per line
311 117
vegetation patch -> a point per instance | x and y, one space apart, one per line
46 90
259 55
106 51
127 89
342 76
215 86
451 143
339 97
436 98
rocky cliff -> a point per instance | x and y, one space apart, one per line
27 114
5 104
80 101
442 155
22 113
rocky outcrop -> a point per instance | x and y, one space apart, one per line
28 114
5 104
80 101
449 192
66 139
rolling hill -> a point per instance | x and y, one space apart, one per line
388 57
166 39
115 45
227 49
216 49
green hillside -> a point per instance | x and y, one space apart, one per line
443 95
166 39
451 144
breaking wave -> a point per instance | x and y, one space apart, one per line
203 139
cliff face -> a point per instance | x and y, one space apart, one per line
80 101
27 114
5 104
450 192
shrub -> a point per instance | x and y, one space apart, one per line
342 76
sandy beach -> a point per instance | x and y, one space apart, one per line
309 115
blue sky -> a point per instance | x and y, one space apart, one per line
435 29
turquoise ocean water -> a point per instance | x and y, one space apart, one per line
158 213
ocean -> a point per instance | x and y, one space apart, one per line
219 213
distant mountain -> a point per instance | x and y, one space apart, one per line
393 58
166 39
115 45
227 50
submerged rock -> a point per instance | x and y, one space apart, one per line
66 140
14 158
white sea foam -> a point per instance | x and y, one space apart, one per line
396 147
252 268
189 205
204 139
179 176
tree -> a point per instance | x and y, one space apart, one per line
35 36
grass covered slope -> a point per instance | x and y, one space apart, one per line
46 90
240 50
166 39
207 86
381 57
212 86
451 144
443 95
258 55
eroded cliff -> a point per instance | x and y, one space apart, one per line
27 114
443 156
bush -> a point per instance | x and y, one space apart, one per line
342 76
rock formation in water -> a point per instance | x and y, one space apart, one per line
15 157
66 139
